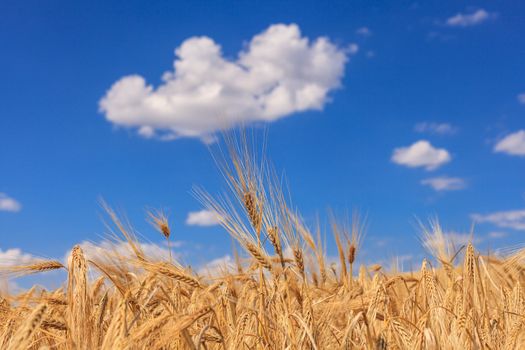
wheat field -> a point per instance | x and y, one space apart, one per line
282 292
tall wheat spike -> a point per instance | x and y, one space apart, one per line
79 312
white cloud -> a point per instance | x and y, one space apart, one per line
9 204
513 144
514 219
435 128
521 98
14 257
469 19
280 72
364 31
445 183
421 154
202 218
352 49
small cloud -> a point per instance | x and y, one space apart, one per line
521 98
497 234
435 128
9 204
444 183
14 257
469 19
364 31
352 49
421 154
202 218
514 219
370 54
513 144
279 73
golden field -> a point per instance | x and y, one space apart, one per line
282 292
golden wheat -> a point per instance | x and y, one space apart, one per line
297 299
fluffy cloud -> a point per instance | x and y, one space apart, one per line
513 144
521 98
9 204
421 154
445 183
469 19
514 219
280 72
15 256
202 218
435 128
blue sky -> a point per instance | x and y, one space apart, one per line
401 110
